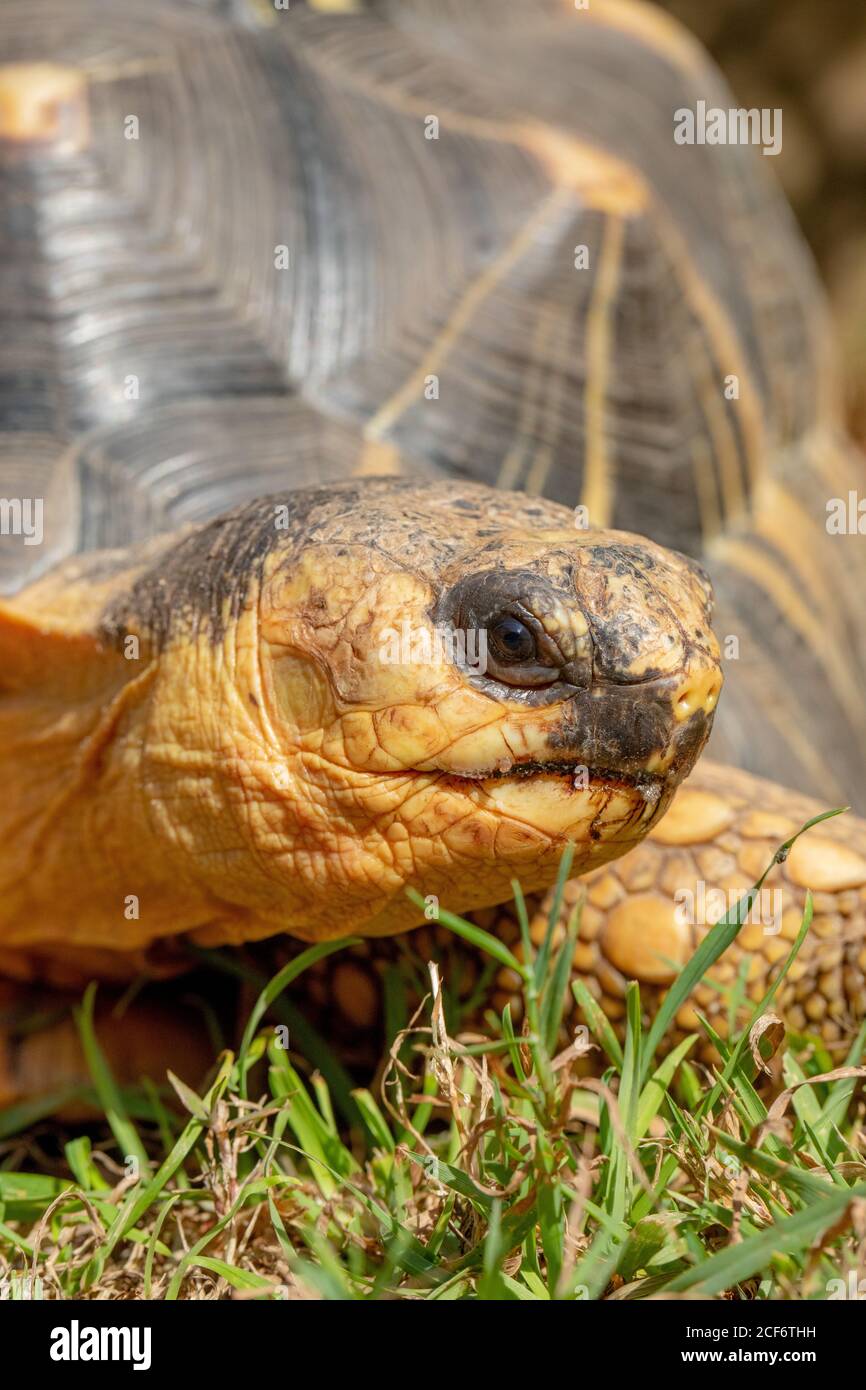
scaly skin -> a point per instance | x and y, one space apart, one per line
722 832
264 769
719 836
205 740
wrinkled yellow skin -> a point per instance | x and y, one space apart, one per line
285 778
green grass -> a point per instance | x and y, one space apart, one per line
499 1167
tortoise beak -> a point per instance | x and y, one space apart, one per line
656 728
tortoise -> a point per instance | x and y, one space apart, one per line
362 319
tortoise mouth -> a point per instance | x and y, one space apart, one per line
649 784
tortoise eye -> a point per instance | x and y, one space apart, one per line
525 631
511 640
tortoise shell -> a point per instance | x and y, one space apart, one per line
245 246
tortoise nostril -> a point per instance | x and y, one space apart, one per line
699 694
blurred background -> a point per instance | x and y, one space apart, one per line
809 59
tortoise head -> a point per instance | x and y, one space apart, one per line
296 711
463 683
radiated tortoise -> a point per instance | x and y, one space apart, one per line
366 266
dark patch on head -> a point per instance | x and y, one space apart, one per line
627 727
622 730
693 735
202 582
203 578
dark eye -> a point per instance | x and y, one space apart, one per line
511 640
516 630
